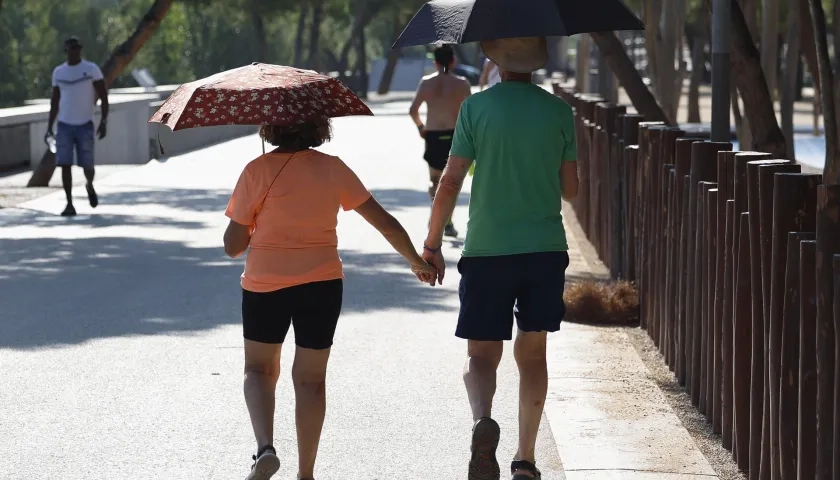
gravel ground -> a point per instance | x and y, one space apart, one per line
708 443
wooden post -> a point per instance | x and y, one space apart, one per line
722 368
758 373
837 361
630 136
807 452
684 264
645 148
828 245
617 192
662 240
727 332
794 210
701 256
703 168
670 274
710 270
631 156
741 419
652 167
789 391
742 369
765 192
682 165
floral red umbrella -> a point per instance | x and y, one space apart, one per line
258 94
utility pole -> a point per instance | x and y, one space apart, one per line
721 67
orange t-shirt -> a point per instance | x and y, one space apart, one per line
293 238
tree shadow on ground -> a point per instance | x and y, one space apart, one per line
399 199
67 291
193 200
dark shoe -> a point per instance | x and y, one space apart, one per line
94 199
485 440
69 211
450 231
522 465
265 465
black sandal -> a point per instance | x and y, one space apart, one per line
518 465
485 440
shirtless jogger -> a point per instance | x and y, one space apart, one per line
443 94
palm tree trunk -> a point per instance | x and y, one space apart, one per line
612 51
259 34
791 74
124 54
749 77
770 42
313 62
393 59
831 172
301 31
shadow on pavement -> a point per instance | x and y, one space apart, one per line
397 199
194 200
68 291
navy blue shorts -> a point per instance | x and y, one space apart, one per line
494 289
78 139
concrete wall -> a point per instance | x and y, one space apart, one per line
130 140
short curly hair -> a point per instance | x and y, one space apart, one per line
298 137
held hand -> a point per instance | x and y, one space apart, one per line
425 273
436 260
102 130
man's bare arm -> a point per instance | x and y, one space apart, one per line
569 182
446 198
54 100
102 93
419 98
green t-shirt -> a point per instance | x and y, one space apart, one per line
519 135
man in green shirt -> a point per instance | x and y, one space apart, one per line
522 140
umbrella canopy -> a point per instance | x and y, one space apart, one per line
465 21
258 94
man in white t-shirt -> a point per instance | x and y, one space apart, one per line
77 84
489 75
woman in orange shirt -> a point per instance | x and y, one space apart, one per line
284 210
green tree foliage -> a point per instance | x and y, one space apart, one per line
196 39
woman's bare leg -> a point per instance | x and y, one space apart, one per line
262 369
309 374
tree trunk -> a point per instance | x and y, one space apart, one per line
749 77
361 65
697 62
807 42
313 61
111 69
259 34
393 58
791 74
616 57
363 17
582 74
123 54
832 155
770 42
750 9
301 31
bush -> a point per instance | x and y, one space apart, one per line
602 303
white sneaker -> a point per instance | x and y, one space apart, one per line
265 465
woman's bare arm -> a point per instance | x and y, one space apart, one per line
391 229
237 238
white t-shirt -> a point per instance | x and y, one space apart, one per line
78 98
493 77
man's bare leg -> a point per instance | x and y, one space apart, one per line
480 375
530 354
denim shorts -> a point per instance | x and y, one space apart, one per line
494 289
74 138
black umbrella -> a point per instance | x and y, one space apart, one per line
465 21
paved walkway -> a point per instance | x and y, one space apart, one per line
120 342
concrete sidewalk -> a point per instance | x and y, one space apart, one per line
159 349
610 419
